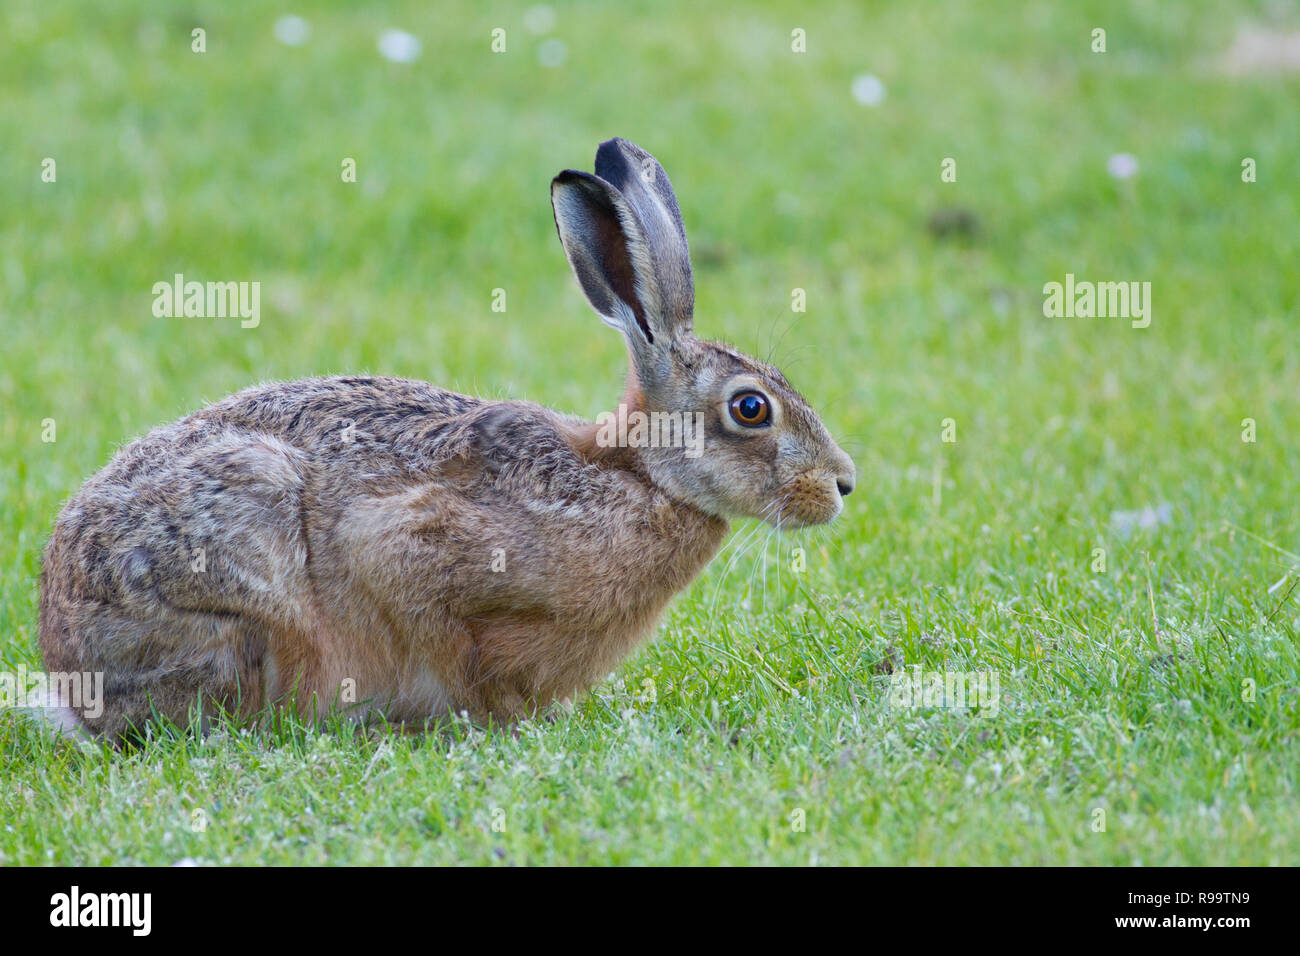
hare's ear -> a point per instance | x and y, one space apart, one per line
607 251
642 182
623 236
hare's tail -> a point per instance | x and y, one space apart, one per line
47 707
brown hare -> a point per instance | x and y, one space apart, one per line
383 546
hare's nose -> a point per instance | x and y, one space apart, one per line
846 473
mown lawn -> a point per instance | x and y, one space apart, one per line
1157 696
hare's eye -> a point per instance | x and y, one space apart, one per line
750 409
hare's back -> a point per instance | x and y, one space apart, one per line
322 414
209 512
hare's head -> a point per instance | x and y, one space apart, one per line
713 427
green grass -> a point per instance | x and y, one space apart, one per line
766 691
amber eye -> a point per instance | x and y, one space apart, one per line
750 409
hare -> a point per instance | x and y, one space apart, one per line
384 546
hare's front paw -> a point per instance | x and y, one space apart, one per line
559 709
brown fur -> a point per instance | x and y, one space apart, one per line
349 530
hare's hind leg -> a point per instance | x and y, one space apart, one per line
174 666
172 573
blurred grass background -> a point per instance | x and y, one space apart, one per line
226 166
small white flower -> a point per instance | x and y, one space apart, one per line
552 52
399 46
1122 165
292 31
539 19
868 90
1145 518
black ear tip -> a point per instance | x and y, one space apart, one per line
590 184
618 152
619 143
